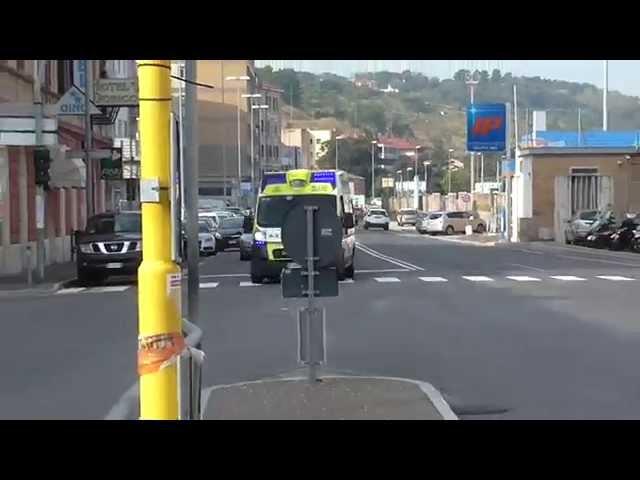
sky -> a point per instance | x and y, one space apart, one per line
624 75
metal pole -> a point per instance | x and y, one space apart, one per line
88 138
311 294
253 168
239 154
224 129
38 120
482 170
337 153
472 172
415 182
373 172
160 338
181 144
190 198
579 127
605 90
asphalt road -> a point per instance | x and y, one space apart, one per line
530 346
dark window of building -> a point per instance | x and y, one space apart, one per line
277 151
103 69
20 65
275 104
262 126
47 80
262 150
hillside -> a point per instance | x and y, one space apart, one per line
431 111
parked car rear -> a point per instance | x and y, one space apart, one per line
450 222
579 226
376 218
407 216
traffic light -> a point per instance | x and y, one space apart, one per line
42 161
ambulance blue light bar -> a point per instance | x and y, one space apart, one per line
273 179
324 177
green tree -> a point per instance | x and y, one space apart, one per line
461 75
496 76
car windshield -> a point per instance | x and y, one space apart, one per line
211 204
378 212
590 215
128 223
232 222
435 216
408 212
203 227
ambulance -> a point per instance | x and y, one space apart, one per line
279 193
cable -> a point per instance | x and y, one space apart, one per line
192 82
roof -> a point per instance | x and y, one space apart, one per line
399 143
271 88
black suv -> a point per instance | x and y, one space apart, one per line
110 246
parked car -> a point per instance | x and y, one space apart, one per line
450 222
376 218
228 233
111 245
246 239
407 216
600 233
579 226
215 215
206 239
235 210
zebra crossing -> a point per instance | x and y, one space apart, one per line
387 279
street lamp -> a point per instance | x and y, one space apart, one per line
232 79
399 172
451 150
252 96
426 164
373 169
415 179
259 108
339 137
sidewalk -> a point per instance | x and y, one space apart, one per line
55 276
335 397
478 239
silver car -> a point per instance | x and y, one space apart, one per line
580 225
407 216
450 222
206 239
376 218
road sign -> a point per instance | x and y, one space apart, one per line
466 198
486 127
72 103
116 92
111 166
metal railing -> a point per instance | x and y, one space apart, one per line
190 365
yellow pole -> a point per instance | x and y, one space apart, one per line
160 328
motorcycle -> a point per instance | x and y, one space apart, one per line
621 239
600 234
635 242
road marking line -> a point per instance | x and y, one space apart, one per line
569 278
519 278
209 285
528 251
573 257
226 275
433 279
527 266
70 290
388 258
348 280
250 284
385 270
386 279
478 278
114 288
615 278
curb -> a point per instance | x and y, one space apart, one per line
26 292
467 242
434 396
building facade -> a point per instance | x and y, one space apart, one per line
298 146
62 208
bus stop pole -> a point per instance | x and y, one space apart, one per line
160 339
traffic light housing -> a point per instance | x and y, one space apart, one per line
42 161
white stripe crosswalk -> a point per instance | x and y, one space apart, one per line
230 282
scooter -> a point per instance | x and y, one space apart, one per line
622 237
635 242
600 234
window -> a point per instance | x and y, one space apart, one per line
262 126
262 150
277 151
65 75
47 74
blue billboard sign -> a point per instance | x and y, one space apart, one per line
486 127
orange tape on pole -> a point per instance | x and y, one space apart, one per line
156 352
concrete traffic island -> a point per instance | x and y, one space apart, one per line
331 398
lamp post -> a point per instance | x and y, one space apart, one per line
415 179
399 172
451 150
373 169
259 108
426 165
232 79
339 137
409 169
252 96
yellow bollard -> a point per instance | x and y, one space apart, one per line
160 338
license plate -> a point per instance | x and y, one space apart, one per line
233 242
114 265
